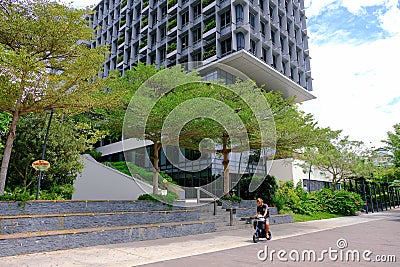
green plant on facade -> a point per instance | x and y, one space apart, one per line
124 3
120 58
206 2
210 25
123 22
120 40
171 3
145 21
209 53
171 24
171 47
143 44
145 4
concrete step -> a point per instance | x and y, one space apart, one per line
33 242
48 222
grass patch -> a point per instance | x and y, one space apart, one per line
314 216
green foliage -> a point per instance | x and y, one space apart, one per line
67 139
314 216
171 3
339 202
210 25
46 64
130 169
298 201
266 190
95 154
206 2
233 198
5 120
167 199
171 47
171 24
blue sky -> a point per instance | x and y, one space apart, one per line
354 45
355 51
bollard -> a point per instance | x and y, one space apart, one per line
215 207
231 216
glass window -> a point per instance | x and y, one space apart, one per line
185 41
226 46
240 41
253 47
185 18
226 19
239 13
196 34
262 30
252 19
197 10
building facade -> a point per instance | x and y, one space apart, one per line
169 32
264 40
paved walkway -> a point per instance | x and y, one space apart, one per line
378 233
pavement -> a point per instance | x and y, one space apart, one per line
365 240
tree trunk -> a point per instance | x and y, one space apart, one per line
156 160
225 163
7 152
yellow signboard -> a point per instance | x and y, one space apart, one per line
41 165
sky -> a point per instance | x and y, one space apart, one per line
355 62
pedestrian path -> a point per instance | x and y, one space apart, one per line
152 251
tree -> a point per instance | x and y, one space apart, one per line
46 63
337 156
393 144
68 139
4 127
239 117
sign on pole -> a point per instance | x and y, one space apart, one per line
41 165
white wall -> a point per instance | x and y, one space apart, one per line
289 170
99 182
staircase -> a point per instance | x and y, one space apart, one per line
39 226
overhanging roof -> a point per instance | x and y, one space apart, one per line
242 62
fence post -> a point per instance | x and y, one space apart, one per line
376 198
364 195
397 196
370 197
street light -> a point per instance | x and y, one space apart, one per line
40 176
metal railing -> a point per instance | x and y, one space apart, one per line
216 199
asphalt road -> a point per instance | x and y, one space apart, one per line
365 240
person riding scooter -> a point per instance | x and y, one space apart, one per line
262 212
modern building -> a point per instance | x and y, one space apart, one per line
265 40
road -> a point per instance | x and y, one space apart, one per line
364 240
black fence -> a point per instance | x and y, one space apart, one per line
377 196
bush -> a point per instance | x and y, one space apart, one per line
168 199
296 200
233 198
338 202
266 190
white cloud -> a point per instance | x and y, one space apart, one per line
84 3
354 85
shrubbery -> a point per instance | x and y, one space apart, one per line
167 199
294 199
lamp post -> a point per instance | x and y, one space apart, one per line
51 111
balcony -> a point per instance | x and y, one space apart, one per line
208 4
